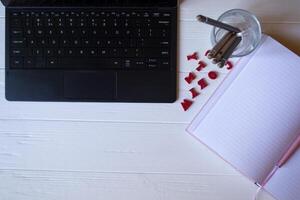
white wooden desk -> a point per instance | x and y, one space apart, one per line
78 151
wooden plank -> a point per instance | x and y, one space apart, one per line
2 10
105 147
2 43
266 10
160 113
61 185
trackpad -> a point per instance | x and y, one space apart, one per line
90 85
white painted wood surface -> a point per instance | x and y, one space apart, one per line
128 151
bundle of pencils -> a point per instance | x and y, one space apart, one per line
223 50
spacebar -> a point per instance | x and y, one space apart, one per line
101 63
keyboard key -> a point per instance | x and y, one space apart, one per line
29 62
39 62
153 43
59 21
41 42
53 42
152 60
70 52
152 65
16 62
103 52
153 52
65 42
31 42
28 32
82 52
140 63
16 22
166 15
39 32
37 52
50 32
128 63
93 62
61 32
131 52
49 52
15 14
16 32
115 52
51 62
72 32
164 23
49 22
17 42
165 63
59 52
38 22
17 52
28 22
92 52
87 42
159 33
98 42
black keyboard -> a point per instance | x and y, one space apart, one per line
89 40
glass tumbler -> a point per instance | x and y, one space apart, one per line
250 30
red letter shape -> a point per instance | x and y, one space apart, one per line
186 104
202 65
203 84
207 52
213 75
189 79
194 92
194 56
230 65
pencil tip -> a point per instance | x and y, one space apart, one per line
201 18
221 65
214 61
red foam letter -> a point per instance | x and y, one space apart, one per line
213 75
194 92
186 104
203 84
230 65
193 56
202 65
189 79
207 52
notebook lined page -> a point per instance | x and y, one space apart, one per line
285 183
257 116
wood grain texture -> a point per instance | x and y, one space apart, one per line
108 112
128 151
155 148
266 10
120 186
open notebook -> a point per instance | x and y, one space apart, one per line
254 116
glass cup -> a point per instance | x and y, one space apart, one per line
250 30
